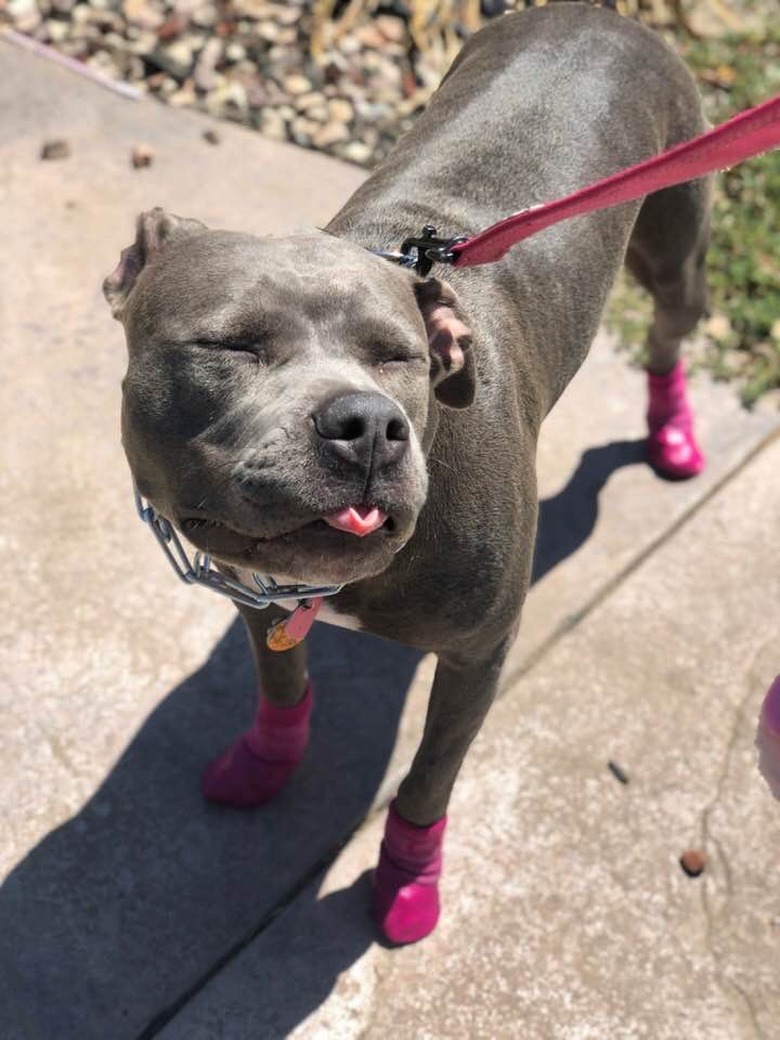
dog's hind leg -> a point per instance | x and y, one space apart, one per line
666 254
258 764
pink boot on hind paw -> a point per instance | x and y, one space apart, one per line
255 768
671 443
405 900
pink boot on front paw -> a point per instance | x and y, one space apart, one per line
405 899
256 767
671 443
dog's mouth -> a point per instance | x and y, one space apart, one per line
358 520
336 529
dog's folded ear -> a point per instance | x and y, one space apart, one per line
155 229
449 339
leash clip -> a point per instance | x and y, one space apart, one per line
423 251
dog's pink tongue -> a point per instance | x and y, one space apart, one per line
359 520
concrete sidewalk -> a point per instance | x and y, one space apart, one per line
566 913
133 909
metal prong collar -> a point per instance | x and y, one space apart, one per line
199 570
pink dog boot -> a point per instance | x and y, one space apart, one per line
671 444
405 898
768 738
256 767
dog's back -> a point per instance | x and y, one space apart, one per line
538 104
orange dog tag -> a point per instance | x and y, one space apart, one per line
288 632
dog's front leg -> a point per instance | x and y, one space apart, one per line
258 764
406 895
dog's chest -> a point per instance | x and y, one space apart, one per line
331 616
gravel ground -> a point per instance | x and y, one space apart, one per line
249 61
346 77
348 85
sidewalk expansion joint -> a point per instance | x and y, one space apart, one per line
166 1016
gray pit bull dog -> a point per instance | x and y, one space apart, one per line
303 408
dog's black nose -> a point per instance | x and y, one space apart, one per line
367 429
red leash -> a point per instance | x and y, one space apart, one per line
744 136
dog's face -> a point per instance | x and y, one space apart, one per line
280 392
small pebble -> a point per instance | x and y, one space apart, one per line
341 110
56 31
172 27
211 136
142 13
205 68
330 134
392 28
693 862
297 84
142 155
273 124
370 36
268 31
180 53
56 149
204 17
182 98
357 152
618 772
235 52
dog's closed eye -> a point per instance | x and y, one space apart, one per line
399 358
252 348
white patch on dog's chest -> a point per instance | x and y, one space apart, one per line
330 616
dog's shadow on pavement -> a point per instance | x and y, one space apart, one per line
124 912
128 907
568 519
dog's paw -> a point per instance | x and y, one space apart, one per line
404 909
405 897
255 768
240 779
672 451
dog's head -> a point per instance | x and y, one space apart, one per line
280 393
